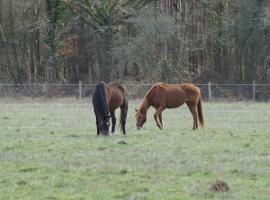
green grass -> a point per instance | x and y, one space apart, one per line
49 150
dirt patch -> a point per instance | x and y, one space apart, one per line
123 171
220 186
102 148
29 169
21 182
142 190
74 136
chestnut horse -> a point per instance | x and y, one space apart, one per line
106 99
162 96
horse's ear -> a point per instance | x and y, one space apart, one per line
136 110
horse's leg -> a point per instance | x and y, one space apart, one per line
158 117
193 109
113 121
97 122
123 115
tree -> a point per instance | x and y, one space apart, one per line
54 16
106 18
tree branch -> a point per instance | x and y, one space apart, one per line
211 7
2 33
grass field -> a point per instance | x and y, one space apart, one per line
49 150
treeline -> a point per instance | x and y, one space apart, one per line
64 41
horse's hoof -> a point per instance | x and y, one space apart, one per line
161 127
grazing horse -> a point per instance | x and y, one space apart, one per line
162 96
106 99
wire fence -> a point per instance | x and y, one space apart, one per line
210 91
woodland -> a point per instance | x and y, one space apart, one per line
134 41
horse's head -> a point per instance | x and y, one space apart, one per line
140 119
104 125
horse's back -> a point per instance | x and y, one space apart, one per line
117 86
172 95
175 95
117 93
192 92
166 95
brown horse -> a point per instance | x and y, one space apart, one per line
162 96
106 99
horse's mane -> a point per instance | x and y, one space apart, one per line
100 99
145 102
159 84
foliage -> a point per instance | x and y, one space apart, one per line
55 12
142 47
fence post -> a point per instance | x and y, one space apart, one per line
45 90
80 89
254 91
209 91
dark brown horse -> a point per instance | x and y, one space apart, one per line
162 96
106 99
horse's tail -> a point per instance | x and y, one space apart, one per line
123 115
200 113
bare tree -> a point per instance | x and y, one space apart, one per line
106 18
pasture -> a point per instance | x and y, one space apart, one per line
49 150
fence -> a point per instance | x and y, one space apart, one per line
210 91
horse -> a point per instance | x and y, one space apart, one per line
106 99
162 96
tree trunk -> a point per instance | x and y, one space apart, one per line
16 65
36 43
50 66
107 55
